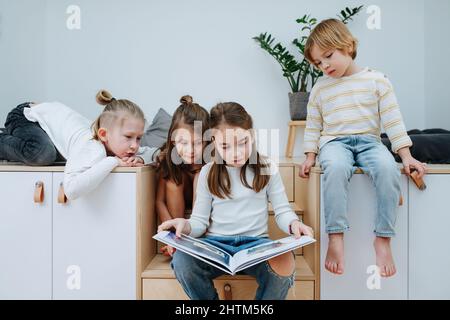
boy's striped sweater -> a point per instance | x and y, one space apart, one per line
353 105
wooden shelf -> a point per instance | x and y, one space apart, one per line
159 268
300 123
295 207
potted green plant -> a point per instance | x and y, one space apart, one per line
299 73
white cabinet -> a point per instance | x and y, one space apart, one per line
94 241
359 250
25 236
429 225
95 247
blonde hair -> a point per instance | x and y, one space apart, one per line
114 110
331 34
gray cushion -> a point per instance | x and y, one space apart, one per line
156 134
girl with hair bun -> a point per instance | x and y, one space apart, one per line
181 161
41 134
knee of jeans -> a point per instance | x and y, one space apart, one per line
40 155
337 168
387 172
184 265
283 265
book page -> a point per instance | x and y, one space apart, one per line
196 247
249 257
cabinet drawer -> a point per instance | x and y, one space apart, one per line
287 175
162 289
275 232
246 289
170 289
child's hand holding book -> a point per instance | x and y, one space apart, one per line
298 229
179 224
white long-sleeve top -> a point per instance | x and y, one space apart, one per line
354 105
87 162
246 212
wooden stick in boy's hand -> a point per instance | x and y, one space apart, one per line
418 180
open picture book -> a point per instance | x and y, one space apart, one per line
222 260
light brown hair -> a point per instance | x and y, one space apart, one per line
233 114
113 111
186 114
331 34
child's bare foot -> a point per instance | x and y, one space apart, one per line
334 261
384 259
168 251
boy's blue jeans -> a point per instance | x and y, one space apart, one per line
339 159
195 276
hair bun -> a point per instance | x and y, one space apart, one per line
104 97
186 99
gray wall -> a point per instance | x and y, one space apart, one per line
437 63
153 52
22 53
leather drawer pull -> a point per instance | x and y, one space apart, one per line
227 292
61 195
39 192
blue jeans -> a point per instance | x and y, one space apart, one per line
339 159
195 276
25 141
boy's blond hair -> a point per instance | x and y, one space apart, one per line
331 34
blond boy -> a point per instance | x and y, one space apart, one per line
346 110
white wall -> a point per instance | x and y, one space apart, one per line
437 63
153 52
22 53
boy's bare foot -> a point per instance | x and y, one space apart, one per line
384 259
334 261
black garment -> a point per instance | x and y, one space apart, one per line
25 141
429 146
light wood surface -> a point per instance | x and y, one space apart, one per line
295 207
311 253
431 169
287 176
158 289
292 132
17 167
159 268
145 223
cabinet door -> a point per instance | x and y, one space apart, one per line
429 257
94 241
25 236
359 250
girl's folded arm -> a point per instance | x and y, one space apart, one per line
81 179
